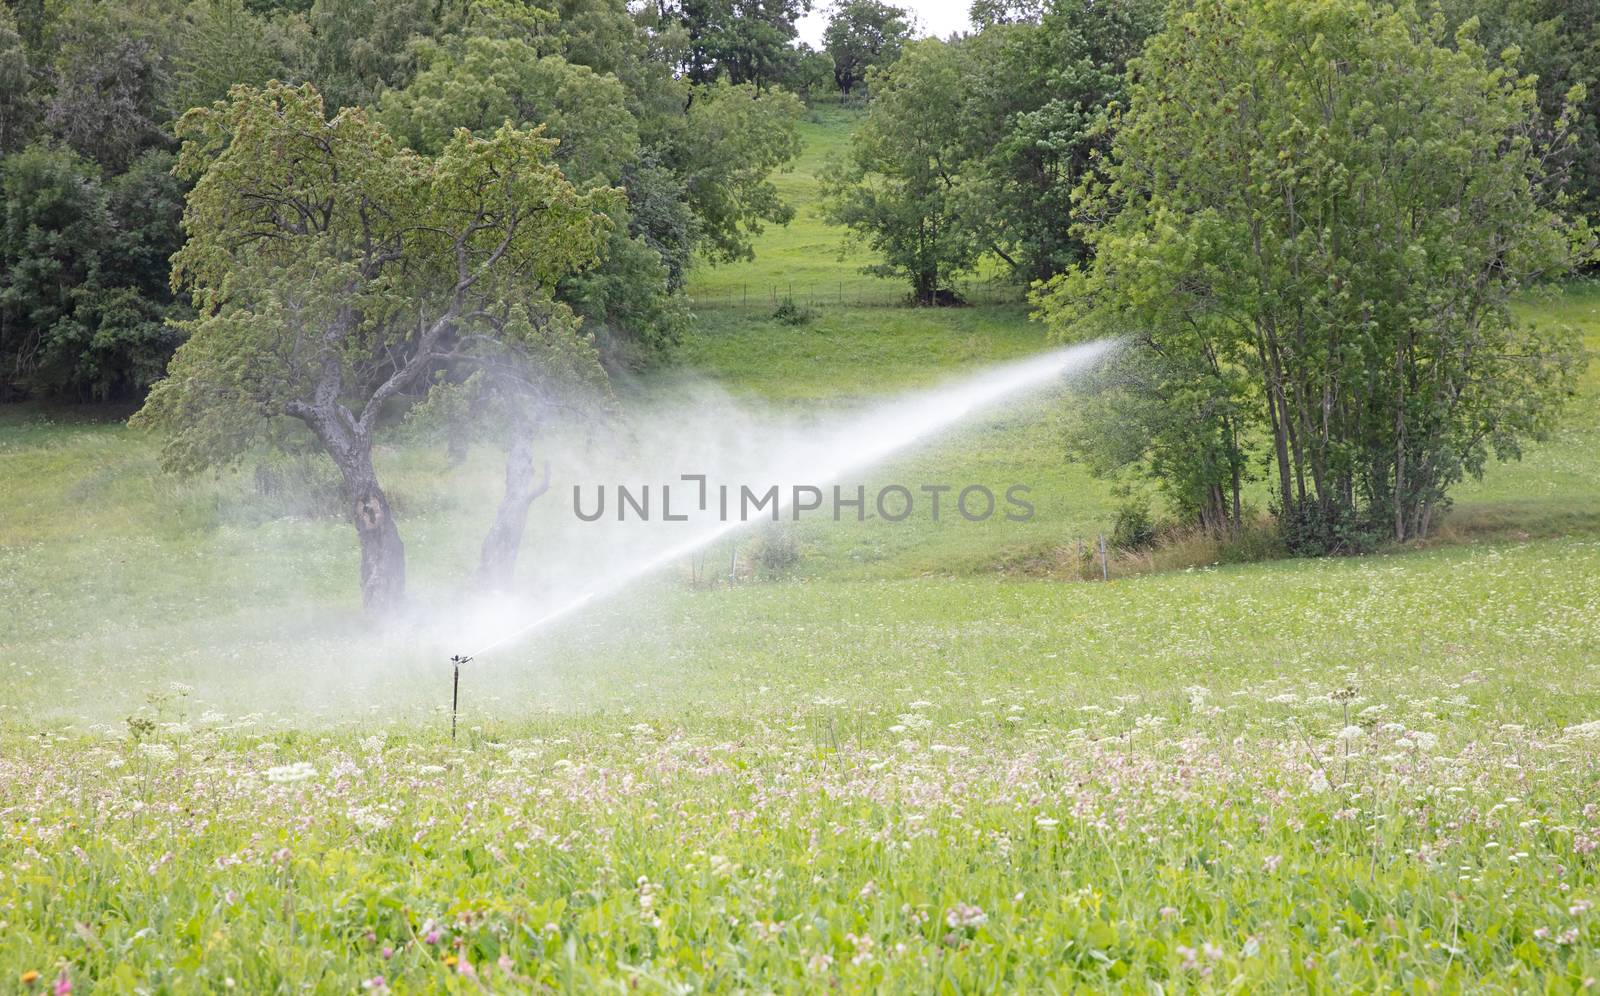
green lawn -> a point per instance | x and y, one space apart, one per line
943 785
914 765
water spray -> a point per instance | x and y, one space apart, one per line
890 428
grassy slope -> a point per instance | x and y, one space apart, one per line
844 759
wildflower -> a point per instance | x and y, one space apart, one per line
63 986
377 984
1319 782
284 774
1271 863
963 915
1045 823
1350 733
30 977
1587 730
1579 908
1424 741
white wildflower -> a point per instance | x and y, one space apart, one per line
284 774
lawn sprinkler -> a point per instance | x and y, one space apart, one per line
455 689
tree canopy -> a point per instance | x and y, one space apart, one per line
1315 217
333 270
862 35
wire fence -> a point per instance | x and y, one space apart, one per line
768 296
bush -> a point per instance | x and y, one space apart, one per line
790 313
1134 528
776 552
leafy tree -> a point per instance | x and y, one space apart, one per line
83 300
333 271
111 72
724 150
223 42
490 81
1324 211
55 224
863 34
1559 42
737 41
1036 93
976 151
146 204
353 50
897 188
16 79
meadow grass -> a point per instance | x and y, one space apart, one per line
912 765
951 785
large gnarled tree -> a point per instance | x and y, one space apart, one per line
334 271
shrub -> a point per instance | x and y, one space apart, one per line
1134 528
790 313
776 552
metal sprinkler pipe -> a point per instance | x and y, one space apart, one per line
455 689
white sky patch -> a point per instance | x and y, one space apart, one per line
939 18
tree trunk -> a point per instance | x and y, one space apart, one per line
383 556
498 560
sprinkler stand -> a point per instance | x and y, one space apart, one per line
455 689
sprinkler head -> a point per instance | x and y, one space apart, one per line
460 659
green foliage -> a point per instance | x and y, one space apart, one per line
16 110
1036 93
775 551
725 151
353 50
224 42
894 189
1134 527
1559 43
790 313
110 73
484 82
1325 258
315 247
736 41
863 35
704 183
83 301
972 147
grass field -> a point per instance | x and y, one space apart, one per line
913 765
